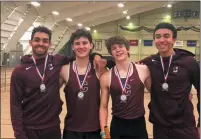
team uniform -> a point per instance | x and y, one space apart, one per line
171 110
128 107
82 93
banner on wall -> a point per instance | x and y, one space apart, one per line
191 43
179 43
133 42
148 42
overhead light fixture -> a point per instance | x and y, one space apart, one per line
120 5
79 24
36 4
95 31
169 5
125 12
69 19
87 28
55 13
130 24
167 17
128 17
21 19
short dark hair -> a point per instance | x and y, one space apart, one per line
42 29
116 40
165 25
80 33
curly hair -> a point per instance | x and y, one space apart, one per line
116 40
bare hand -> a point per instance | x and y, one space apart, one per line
99 63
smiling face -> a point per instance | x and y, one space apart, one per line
119 52
40 44
82 47
164 41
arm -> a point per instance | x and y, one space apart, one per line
104 100
61 79
195 79
100 73
145 61
16 111
64 75
148 79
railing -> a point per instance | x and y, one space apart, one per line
5 78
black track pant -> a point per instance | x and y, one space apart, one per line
48 133
128 128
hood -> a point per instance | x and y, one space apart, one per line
27 59
184 52
179 53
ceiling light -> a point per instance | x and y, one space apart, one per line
120 5
79 24
128 17
169 5
167 17
55 13
36 4
130 24
21 19
95 31
87 28
69 19
125 12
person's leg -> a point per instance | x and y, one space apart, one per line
116 128
72 135
136 128
93 135
50 133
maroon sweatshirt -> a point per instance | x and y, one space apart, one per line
173 108
29 107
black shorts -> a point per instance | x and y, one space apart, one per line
160 132
48 133
128 128
81 135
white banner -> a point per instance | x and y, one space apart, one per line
179 43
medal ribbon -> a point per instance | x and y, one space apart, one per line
41 76
81 84
162 63
123 86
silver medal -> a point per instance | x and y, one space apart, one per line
42 87
165 87
80 95
123 98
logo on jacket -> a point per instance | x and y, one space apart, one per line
175 69
27 68
50 67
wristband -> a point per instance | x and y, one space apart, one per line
102 134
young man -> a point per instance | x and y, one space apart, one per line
173 73
125 83
35 102
82 90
